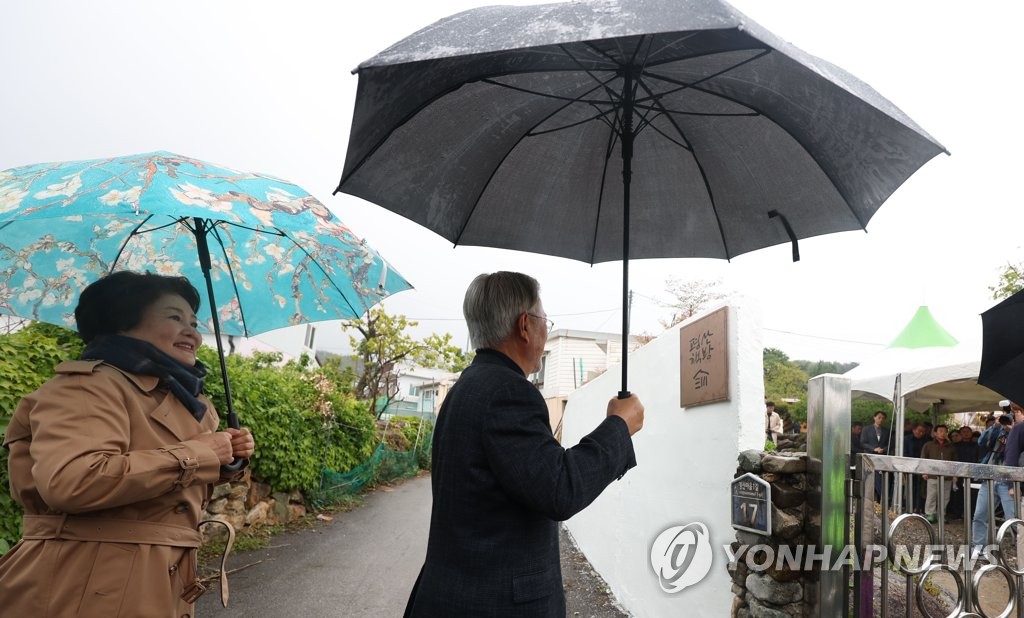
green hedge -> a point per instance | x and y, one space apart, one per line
301 421
27 359
418 439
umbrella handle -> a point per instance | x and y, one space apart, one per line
235 466
625 394
239 463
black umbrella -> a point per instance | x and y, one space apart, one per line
1002 348
505 127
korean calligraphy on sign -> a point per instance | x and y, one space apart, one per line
704 360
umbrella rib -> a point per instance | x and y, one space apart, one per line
412 114
483 188
612 138
600 115
694 85
703 174
279 232
656 104
231 274
273 231
554 96
180 220
669 137
128 239
327 276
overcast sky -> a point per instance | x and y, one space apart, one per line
266 86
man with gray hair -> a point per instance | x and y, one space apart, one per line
500 479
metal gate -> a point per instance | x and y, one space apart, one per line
892 566
840 500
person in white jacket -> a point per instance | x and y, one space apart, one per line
773 422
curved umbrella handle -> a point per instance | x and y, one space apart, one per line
234 467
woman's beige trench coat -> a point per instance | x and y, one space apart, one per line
113 485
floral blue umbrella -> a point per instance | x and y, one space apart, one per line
271 254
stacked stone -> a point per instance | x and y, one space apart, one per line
792 443
247 504
765 586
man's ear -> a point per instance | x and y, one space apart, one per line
522 325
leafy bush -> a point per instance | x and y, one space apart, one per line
350 434
418 439
27 359
300 421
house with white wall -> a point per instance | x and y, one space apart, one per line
434 392
419 391
571 359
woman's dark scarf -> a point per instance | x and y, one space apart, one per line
141 357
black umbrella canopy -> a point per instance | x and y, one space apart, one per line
576 129
502 127
1002 353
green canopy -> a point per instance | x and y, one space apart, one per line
923 332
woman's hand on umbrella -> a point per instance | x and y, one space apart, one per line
242 443
220 443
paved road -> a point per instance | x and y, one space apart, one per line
363 564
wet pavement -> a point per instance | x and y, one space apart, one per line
363 564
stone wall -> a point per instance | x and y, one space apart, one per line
764 586
247 504
792 443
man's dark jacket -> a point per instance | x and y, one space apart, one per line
500 483
1014 453
870 439
912 445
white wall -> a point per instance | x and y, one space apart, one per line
686 459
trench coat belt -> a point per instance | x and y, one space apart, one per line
106 530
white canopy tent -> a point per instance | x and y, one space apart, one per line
923 367
946 377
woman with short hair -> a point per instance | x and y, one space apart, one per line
113 460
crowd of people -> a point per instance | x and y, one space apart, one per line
1001 442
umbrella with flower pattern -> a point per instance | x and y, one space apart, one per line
271 254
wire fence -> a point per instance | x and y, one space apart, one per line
388 462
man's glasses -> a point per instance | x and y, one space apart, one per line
550 322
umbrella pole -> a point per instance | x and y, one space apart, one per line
627 174
204 262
